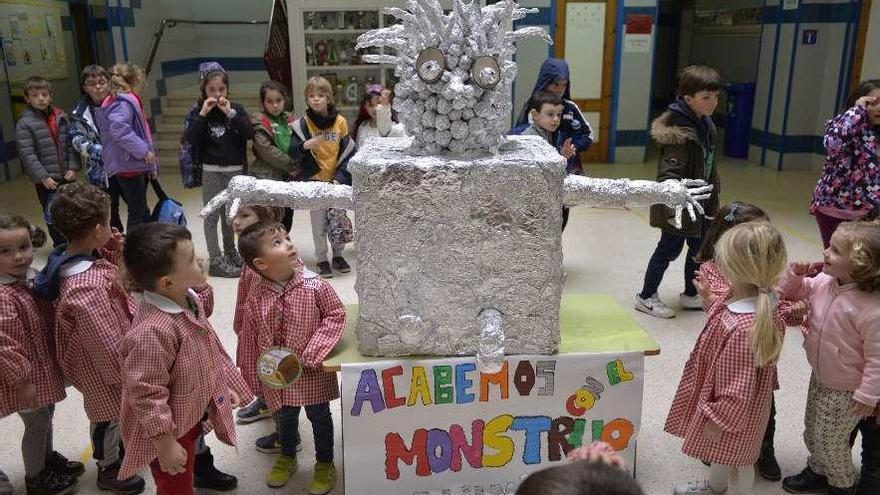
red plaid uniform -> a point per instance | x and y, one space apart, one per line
719 287
246 351
175 370
720 383
307 317
92 314
26 353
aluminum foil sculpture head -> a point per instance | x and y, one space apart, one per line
456 72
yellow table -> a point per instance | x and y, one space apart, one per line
589 323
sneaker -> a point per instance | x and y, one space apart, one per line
767 466
5 485
653 306
235 258
324 478
49 483
808 481
129 486
695 488
255 411
690 302
222 267
324 270
60 465
340 265
281 472
270 444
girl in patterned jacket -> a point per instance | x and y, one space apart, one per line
723 400
849 188
178 381
30 381
304 314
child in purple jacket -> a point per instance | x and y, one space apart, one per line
129 153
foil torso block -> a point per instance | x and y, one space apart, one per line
439 239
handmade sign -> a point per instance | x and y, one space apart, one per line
441 426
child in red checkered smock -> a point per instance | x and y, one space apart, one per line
30 380
92 313
723 400
303 314
178 380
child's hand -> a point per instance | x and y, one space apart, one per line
804 268
385 97
860 410
224 105
234 399
50 184
208 105
69 176
172 455
27 395
313 143
150 158
712 431
568 149
597 452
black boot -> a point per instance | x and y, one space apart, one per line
767 466
129 486
60 465
805 482
207 476
49 483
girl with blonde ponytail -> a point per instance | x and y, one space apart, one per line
723 400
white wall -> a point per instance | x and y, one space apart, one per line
870 61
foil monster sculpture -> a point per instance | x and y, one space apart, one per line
458 242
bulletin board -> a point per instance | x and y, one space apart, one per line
585 36
33 39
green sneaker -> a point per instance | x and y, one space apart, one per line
281 471
324 479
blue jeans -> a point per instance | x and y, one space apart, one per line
667 251
322 429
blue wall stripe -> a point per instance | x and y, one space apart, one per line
66 23
656 15
171 68
771 88
638 137
550 49
788 144
615 80
794 50
843 63
812 13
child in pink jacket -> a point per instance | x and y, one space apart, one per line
843 348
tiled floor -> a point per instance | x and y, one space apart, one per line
613 262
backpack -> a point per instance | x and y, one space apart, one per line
166 210
189 161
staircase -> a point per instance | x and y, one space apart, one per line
169 125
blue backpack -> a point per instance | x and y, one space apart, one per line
166 210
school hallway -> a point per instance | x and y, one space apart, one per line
605 250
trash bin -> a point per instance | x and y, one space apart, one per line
740 104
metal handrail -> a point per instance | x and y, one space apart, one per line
170 23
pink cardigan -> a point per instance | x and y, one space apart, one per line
843 343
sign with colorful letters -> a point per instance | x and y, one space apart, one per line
440 426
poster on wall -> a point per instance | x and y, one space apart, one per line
33 38
638 35
440 426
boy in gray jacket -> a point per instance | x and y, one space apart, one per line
41 139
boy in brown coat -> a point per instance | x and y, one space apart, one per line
686 135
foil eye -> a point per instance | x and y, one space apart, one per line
485 72
430 65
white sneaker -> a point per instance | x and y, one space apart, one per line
653 306
690 302
695 488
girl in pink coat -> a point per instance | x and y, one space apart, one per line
843 348
30 380
723 401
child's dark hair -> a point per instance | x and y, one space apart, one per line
35 83
276 86
149 251
696 78
211 76
728 216
78 208
10 221
95 71
580 478
863 89
249 241
272 214
542 98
